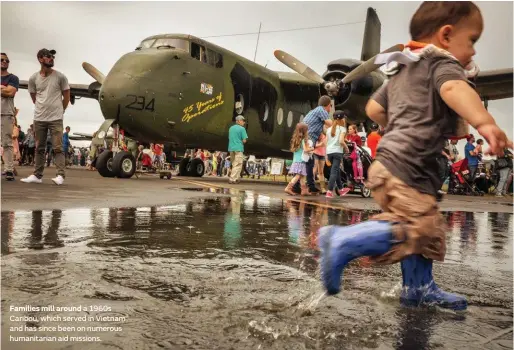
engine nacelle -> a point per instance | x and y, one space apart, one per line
350 96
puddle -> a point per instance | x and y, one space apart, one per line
247 266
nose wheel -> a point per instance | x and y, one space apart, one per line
124 164
121 165
104 164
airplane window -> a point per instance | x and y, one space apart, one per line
172 43
208 56
198 52
195 51
214 59
219 61
145 44
266 112
280 116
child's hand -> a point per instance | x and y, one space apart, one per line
496 138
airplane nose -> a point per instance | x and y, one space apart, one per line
131 76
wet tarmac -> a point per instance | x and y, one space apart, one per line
239 270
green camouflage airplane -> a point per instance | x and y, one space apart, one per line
186 92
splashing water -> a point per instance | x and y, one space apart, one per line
393 293
308 308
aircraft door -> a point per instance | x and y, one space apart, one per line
242 84
264 102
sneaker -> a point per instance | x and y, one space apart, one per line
329 194
9 176
58 180
32 179
344 191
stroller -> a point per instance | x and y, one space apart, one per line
347 177
460 180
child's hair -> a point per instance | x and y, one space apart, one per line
300 133
432 15
337 122
480 142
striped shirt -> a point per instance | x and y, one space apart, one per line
315 120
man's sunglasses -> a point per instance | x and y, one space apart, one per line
5 60
49 56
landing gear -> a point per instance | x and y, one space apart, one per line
191 167
124 164
114 161
104 164
182 168
196 167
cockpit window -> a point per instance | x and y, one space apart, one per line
208 56
145 44
164 43
172 43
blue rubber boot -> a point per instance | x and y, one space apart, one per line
341 244
419 288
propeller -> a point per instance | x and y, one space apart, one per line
369 66
333 88
93 72
298 66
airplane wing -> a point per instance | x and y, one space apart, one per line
494 84
294 79
79 136
83 134
76 90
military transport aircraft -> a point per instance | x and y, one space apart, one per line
184 91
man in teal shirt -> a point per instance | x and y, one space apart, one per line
236 139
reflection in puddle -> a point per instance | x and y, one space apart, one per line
249 262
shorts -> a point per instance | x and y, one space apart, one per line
317 157
417 223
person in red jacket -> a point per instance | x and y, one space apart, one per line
373 139
352 135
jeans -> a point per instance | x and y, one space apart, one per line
335 171
41 129
472 171
504 175
7 128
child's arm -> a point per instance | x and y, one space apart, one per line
307 147
464 100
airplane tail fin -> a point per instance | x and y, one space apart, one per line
371 41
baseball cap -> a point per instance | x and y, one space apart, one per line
374 126
44 52
240 117
339 114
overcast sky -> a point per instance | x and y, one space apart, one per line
101 32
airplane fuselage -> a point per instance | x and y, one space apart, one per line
185 91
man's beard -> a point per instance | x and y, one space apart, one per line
48 65
4 69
